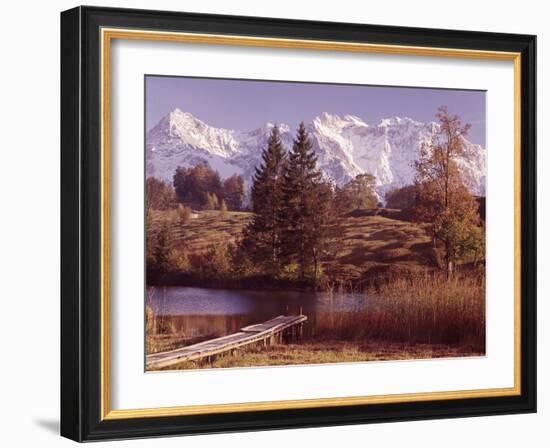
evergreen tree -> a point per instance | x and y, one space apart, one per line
262 237
324 217
302 180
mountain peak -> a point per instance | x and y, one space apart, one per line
267 128
328 116
329 120
344 144
336 121
354 119
178 116
397 121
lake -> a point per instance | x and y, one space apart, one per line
201 312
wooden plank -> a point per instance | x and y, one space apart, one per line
275 324
246 336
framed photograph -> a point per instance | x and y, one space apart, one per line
273 223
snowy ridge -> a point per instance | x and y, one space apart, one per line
346 146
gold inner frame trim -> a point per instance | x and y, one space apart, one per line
107 35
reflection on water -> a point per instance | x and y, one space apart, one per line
198 312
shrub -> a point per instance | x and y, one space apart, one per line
223 209
158 194
216 262
401 198
150 321
184 213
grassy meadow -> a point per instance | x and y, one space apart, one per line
368 246
198 234
322 352
373 236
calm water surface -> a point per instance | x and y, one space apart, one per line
217 312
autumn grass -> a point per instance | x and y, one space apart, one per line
361 241
210 228
364 248
366 239
322 352
428 309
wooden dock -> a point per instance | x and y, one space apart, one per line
267 333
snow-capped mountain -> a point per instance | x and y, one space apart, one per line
346 146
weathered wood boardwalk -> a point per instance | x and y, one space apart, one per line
268 333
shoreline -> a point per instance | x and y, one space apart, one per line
374 277
331 352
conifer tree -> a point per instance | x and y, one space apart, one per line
324 217
262 237
300 213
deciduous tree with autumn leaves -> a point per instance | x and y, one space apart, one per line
443 197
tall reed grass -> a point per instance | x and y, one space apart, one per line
426 310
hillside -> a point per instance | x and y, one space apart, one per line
208 229
362 246
367 239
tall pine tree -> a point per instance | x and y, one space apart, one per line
302 181
262 238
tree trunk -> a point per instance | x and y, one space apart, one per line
450 269
315 267
448 260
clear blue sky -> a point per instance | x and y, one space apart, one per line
245 104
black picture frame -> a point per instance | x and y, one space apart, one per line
81 224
